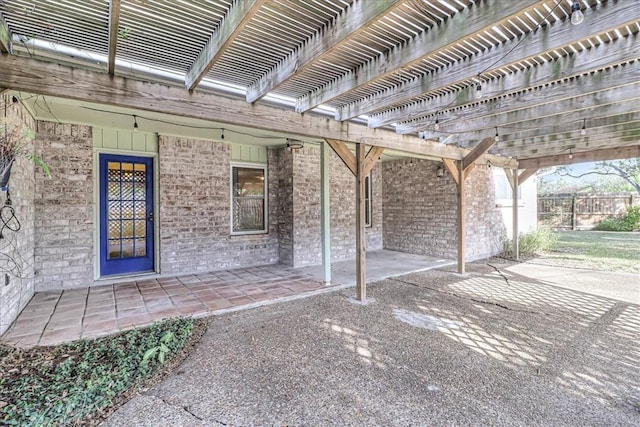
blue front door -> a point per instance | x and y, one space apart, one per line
126 214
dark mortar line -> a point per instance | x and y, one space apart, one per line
84 312
184 408
469 298
506 279
50 316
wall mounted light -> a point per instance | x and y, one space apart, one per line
583 131
570 153
135 124
576 14
497 137
440 171
294 144
436 126
478 91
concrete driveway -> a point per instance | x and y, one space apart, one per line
430 348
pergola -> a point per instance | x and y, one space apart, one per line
510 83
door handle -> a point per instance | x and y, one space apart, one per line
150 217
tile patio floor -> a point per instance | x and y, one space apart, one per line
59 316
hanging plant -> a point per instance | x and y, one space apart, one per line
14 143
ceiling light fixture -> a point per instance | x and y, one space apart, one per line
576 14
478 91
294 144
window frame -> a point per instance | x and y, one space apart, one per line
500 178
368 206
259 166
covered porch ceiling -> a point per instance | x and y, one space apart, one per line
400 74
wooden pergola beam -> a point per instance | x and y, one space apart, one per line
492 116
615 53
452 168
238 16
358 16
622 77
526 174
589 156
547 39
372 157
44 78
478 151
599 126
6 44
544 130
114 21
347 157
469 21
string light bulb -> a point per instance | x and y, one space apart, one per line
576 14
135 124
583 131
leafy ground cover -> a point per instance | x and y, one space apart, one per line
598 250
82 382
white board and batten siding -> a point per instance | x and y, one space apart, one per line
125 140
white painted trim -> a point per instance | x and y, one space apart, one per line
248 165
96 209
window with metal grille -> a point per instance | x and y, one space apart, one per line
248 199
367 201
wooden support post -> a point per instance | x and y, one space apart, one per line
361 285
325 206
461 218
514 187
574 212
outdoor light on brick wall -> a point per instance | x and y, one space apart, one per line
440 171
294 144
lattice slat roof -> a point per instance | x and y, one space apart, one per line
404 65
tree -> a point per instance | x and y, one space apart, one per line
626 169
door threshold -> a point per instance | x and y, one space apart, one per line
106 280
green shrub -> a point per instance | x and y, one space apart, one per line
62 385
532 243
629 222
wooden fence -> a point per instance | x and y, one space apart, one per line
582 211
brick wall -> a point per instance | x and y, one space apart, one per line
17 248
485 226
306 208
194 211
420 210
283 158
64 221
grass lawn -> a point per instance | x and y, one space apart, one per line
598 250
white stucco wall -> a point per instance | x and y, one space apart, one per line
527 203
